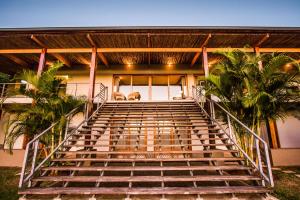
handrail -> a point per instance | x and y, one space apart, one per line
269 178
34 143
36 138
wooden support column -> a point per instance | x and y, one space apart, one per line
42 62
260 66
205 62
149 45
93 69
150 88
274 143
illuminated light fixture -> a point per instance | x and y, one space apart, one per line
170 61
63 76
129 61
129 65
288 67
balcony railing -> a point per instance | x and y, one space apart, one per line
74 89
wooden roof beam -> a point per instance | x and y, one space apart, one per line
100 55
16 60
59 57
142 50
198 53
262 40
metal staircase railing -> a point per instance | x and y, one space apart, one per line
261 163
34 158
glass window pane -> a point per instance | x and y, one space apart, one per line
125 85
160 88
141 84
177 85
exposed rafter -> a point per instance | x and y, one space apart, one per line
198 53
100 55
16 60
56 55
262 40
83 60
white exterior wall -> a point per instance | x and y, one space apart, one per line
3 127
289 132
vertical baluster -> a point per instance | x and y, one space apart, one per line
75 89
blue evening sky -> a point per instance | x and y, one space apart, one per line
62 13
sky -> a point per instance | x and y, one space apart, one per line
74 13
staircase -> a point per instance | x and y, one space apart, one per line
147 150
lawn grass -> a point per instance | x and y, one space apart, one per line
9 183
287 186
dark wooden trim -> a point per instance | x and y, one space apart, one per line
198 53
100 55
59 57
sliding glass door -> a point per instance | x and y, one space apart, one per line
152 87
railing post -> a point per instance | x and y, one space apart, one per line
35 146
67 127
268 162
259 162
229 127
212 110
2 93
106 93
24 166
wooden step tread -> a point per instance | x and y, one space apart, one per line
147 159
146 126
147 152
148 140
124 134
146 145
154 117
146 191
147 178
178 120
154 122
147 168
157 128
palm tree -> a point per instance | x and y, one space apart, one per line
49 105
252 94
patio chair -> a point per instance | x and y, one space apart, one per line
118 96
134 96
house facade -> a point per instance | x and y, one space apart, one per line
161 63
